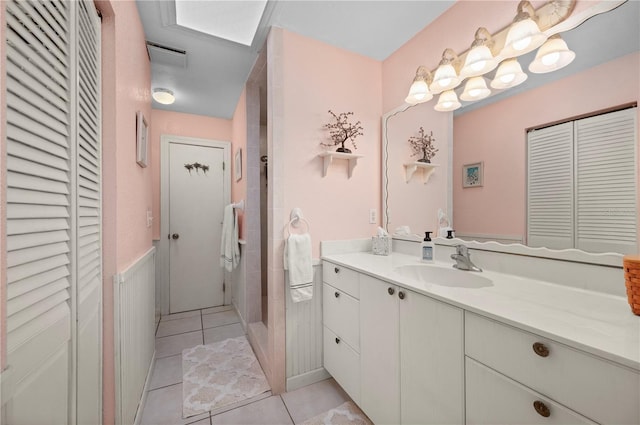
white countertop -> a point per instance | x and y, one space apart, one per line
590 321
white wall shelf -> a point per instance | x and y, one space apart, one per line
328 158
426 169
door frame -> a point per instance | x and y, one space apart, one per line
163 244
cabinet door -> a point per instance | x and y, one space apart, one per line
379 351
432 361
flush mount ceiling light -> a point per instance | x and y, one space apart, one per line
448 101
479 60
524 35
419 91
509 74
163 96
446 76
475 89
554 54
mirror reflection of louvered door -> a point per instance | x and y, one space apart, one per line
53 214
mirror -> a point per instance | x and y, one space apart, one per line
605 63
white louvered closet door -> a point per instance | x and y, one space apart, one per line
47 252
582 184
89 217
550 187
606 212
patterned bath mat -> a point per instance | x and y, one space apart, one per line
346 413
220 374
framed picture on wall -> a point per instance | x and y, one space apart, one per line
473 174
237 165
142 134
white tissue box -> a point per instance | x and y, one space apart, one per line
381 245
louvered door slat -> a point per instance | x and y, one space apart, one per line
550 187
27 239
47 24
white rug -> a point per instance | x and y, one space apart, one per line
346 413
220 374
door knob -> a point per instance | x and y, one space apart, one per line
401 295
391 291
175 236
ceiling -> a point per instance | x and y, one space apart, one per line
207 73
213 76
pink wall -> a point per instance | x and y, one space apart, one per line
178 124
126 186
496 135
239 141
318 77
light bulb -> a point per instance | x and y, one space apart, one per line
521 44
474 92
477 66
550 58
444 82
507 78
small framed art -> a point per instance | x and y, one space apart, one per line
473 174
142 134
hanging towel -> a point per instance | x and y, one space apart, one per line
297 260
229 251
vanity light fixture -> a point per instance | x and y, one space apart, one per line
554 54
448 101
419 91
479 60
524 35
163 96
509 74
475 89
446 76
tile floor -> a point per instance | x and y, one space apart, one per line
183 330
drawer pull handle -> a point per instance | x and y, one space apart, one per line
337 294
541 408
337 270
337 340
540 349
401 295
391 291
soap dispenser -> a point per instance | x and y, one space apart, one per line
427 248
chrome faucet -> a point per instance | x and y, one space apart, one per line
463 259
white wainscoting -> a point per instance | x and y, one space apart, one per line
134 303
304 336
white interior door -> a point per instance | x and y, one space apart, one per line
196 204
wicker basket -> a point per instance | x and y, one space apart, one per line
631 264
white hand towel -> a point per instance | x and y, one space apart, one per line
229 250
297 260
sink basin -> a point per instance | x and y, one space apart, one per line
443 276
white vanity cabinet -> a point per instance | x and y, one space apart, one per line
509 370
411 356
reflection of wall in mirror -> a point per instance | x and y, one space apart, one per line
496 133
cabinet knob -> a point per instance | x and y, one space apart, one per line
337 340
401 295
391 291
336 269
540 349
337 294
541 408
175 236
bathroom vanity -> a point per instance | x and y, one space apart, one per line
413 343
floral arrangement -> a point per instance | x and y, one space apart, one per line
341 131
423 146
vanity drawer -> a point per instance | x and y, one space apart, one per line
341 314
492 398
343 363
342 278
594 387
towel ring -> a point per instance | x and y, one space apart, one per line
296 218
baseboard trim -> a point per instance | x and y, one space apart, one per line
145 391
307 378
